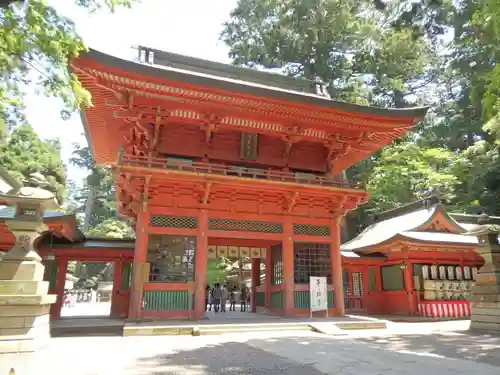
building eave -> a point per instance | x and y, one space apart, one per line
205 80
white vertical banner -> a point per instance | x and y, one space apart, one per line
318 290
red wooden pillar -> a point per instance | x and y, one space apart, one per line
408 281
288 264
200 272
336 259
140 255
62 268
269 272
115 298
255 281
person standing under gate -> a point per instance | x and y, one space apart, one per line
232 299
225 295
208 298
243 299
217 297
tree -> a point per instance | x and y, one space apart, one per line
96 197
112 228
36 39
406 172
25 154
347 44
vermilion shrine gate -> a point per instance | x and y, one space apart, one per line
209 154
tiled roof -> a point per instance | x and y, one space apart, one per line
441 237
8 212
405 225
96 244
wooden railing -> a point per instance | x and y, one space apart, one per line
226 170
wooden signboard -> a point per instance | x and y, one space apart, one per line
244 252
212 252
255 252
234 251
222 251
249 146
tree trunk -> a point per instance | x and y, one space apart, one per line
89 205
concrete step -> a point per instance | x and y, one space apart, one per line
209 329
367 324
132 329
86 331
252 328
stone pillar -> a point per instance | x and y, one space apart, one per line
288 267
485 295
24 299
337 272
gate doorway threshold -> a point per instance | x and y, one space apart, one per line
266 323
86 326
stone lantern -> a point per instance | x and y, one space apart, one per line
485 295
24 299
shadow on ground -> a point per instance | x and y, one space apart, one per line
316 355
478 347
227 358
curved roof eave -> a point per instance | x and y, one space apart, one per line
242 87
407 237
440 208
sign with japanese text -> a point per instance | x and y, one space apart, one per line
318 293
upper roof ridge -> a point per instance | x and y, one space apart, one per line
407 208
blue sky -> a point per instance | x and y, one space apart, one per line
189 27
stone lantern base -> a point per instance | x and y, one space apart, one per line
24 299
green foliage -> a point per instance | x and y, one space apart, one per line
441 53
36 45
406 172
112 228
24 154
348 44
99 184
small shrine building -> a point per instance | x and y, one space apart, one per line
413 260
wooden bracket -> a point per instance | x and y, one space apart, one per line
210 124
292 200
145 194
206 192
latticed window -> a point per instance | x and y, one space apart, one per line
311 230
171 258
277 264
357 284
346 283
244 226
166 221
312 259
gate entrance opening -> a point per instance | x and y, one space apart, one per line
88 289
235 273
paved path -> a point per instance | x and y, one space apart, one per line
403 350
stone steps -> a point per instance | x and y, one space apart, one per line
87 331
217 329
